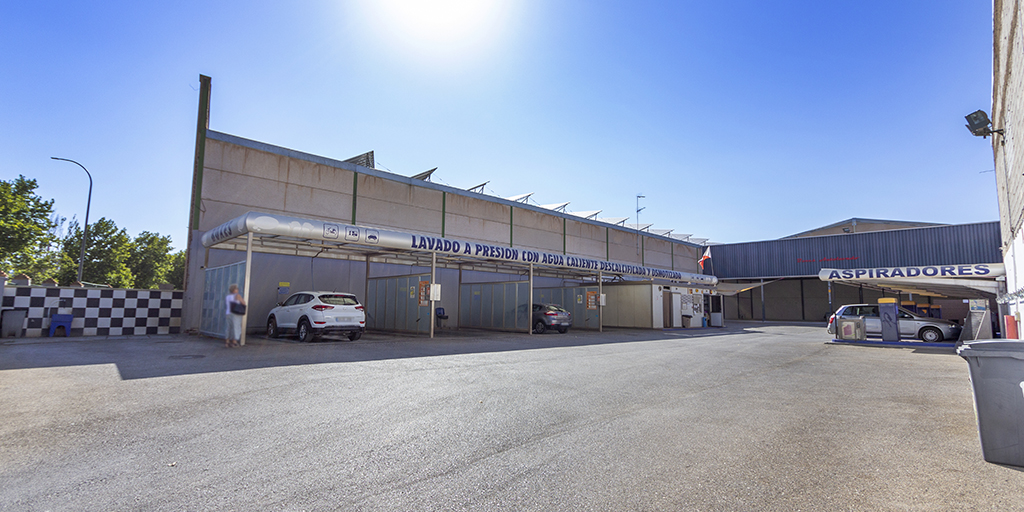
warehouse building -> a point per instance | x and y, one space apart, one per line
277 221
805 277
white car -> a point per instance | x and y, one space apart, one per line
312 314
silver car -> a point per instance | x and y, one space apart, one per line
911 325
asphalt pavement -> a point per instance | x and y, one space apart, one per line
751 417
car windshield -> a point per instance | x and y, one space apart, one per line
339 300
554 307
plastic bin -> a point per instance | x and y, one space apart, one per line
11 322
997 375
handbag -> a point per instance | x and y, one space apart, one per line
238 308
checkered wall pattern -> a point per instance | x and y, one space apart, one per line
97 311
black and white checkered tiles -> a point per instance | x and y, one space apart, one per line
97 311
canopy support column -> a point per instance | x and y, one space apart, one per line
529 302
433 281
248 275
600 304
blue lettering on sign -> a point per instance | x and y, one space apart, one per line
834 275
981 270
948 271
898 272
847 274
913 271
880 273
963 270
930 271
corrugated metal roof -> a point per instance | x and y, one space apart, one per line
940 245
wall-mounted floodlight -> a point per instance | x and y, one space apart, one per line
978 122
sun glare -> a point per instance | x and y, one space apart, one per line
440 29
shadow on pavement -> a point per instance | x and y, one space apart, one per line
163 356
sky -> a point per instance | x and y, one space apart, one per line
737 121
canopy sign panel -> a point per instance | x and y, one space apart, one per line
265 224
983 270
968 280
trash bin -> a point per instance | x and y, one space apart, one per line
997 375
11 322
850 329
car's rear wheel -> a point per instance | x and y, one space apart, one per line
930 335
355 336
539 327
305 331
272 331
563 330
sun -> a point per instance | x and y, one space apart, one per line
440 29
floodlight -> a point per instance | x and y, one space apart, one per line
977 123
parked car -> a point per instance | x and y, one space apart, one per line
550 316
313 314
911 324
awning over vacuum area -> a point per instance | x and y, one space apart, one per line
978 281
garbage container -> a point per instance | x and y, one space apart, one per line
997 374
11 322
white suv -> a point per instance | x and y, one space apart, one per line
312 314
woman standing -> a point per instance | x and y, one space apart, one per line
235 309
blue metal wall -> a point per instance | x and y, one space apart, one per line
942 245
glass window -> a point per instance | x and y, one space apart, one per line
868 311
292 300
339 300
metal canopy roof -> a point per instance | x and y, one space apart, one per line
278 234
980 281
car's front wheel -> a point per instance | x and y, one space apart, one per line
305 331
539 327
931 335
272 331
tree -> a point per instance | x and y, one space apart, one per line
150 259
177 274
29 228
106 256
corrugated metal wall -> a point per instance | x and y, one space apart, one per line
943 245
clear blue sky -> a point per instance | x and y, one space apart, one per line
738 121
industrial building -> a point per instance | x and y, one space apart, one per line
783 279
275 221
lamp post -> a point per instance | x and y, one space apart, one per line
638 210
85 230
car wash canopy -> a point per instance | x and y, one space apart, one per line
289 235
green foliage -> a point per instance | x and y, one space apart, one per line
30 244
29 230
106 255
150 259
176 276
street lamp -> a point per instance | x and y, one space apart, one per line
638 210
85 231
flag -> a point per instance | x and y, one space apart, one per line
707 256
